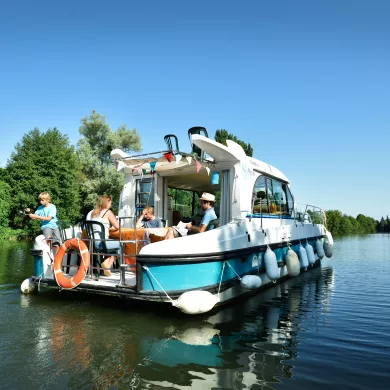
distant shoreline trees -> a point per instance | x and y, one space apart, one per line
383 226
341 224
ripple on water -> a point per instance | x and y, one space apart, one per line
328 328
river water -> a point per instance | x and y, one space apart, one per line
329 328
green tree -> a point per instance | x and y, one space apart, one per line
222 135
43 161
367 224
381 226
333 221
5 207
5 203
3 173
99 174
340 224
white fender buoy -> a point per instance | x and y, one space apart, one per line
250 282
292 263
319 249
328 248
28 286
330 237
196 302
310 254
271 265
303 257
328 245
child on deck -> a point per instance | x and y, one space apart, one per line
47 213
148 220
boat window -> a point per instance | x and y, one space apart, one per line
144 194
280 197
274 196
271 197
290 200
260 191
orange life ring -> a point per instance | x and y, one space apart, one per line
75 280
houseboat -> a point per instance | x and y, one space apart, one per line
261 234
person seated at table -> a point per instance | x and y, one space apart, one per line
148 220
206 202
103 213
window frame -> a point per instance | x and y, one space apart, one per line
270 199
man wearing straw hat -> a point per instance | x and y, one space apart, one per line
207 202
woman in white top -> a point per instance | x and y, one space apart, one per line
102 213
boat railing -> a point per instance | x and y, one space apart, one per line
123 241
135 240
307 213
93 268
161 153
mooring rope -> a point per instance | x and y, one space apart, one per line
238 276
220 281
147 269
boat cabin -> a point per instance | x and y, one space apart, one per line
172 182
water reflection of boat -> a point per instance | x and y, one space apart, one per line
252 342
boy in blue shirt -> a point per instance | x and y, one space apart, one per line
47 213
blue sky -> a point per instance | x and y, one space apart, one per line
307 83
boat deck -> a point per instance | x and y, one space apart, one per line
111 281
101 281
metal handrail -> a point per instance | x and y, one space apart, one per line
311 211
135 241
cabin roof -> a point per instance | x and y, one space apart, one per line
183 171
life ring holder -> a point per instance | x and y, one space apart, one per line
66 282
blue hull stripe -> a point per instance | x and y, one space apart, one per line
191 275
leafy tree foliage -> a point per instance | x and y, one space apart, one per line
99 174
383 226
367 224
43 161
222 135
5 207
3 173
341 224
5 203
